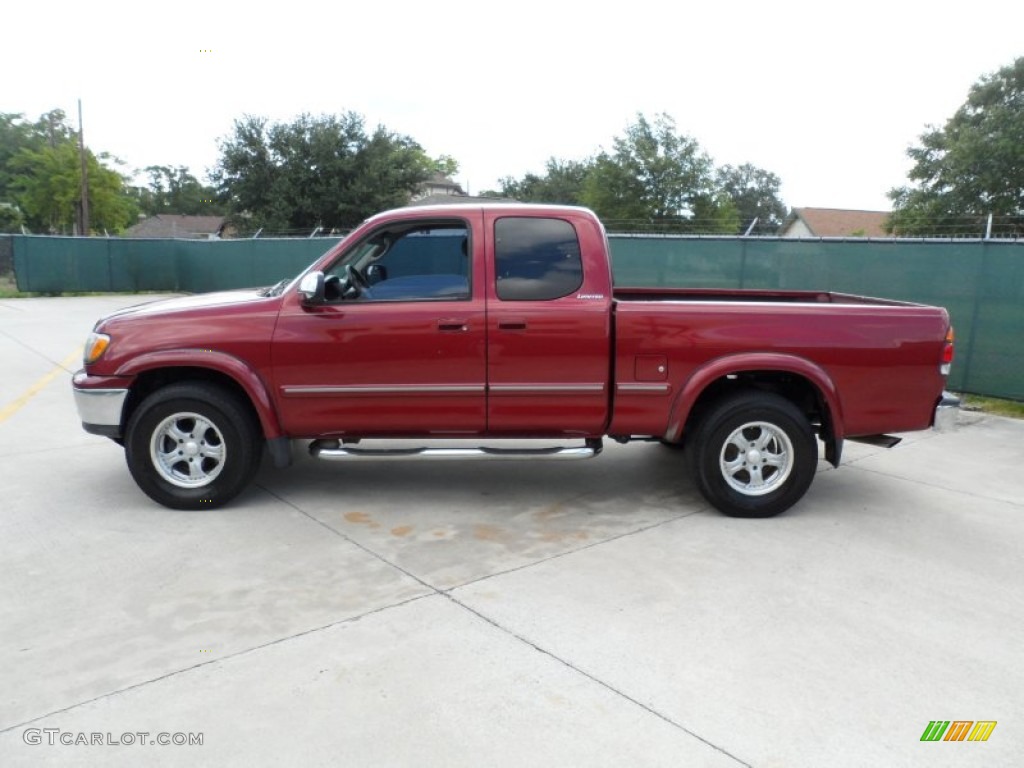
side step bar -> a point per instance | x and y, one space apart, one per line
332 450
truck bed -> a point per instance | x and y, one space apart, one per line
880 357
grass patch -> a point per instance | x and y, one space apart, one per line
9 289
994 405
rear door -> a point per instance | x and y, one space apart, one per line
548 325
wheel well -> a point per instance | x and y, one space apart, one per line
793 387
148 382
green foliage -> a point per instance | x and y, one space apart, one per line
657 178
317 171
971 167
11 218
48 187
653 172
755 194
41 173
15 135
561 183
176 190
446 165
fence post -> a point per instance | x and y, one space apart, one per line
743 262
979 281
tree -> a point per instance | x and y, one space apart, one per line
176 190
656 174
447 166
16 134
11 218
317 171
48 188
41 174
973 166
755 193
655 177
561 183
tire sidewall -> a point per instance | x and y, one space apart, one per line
214 404
716 427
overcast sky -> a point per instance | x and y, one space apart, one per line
826 95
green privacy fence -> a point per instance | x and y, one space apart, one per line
981 283
64 264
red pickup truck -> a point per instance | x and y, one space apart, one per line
502 321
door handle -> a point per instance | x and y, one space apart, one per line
512 324
452 325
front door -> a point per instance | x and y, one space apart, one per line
399 345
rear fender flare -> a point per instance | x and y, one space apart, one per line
721 367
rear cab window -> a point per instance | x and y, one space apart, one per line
536 259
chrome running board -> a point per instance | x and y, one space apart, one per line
332 450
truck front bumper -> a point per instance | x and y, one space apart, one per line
100 403
946 412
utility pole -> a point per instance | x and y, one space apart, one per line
84 218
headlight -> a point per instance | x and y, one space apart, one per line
95 346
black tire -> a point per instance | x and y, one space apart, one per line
218 450
775 467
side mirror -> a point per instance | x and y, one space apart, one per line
311 288
376 273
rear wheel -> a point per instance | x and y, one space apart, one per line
192 446
753 455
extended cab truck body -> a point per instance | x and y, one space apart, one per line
501 321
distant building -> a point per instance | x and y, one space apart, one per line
179 226
457 199
438 185
834 222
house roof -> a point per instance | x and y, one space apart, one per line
177 226
838 222
456 200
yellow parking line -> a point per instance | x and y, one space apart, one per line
19 403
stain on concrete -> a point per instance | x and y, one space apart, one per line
361 518
488 533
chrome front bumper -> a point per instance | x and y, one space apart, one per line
946 412
99 409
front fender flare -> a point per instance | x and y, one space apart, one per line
210 359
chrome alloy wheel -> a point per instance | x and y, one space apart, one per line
187 450
756 458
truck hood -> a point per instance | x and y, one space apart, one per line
186 303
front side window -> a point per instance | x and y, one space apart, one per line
536 259
405 262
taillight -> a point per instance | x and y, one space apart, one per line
947 353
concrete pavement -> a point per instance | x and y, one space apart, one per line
499 614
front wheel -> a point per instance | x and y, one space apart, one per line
192 446
753 455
